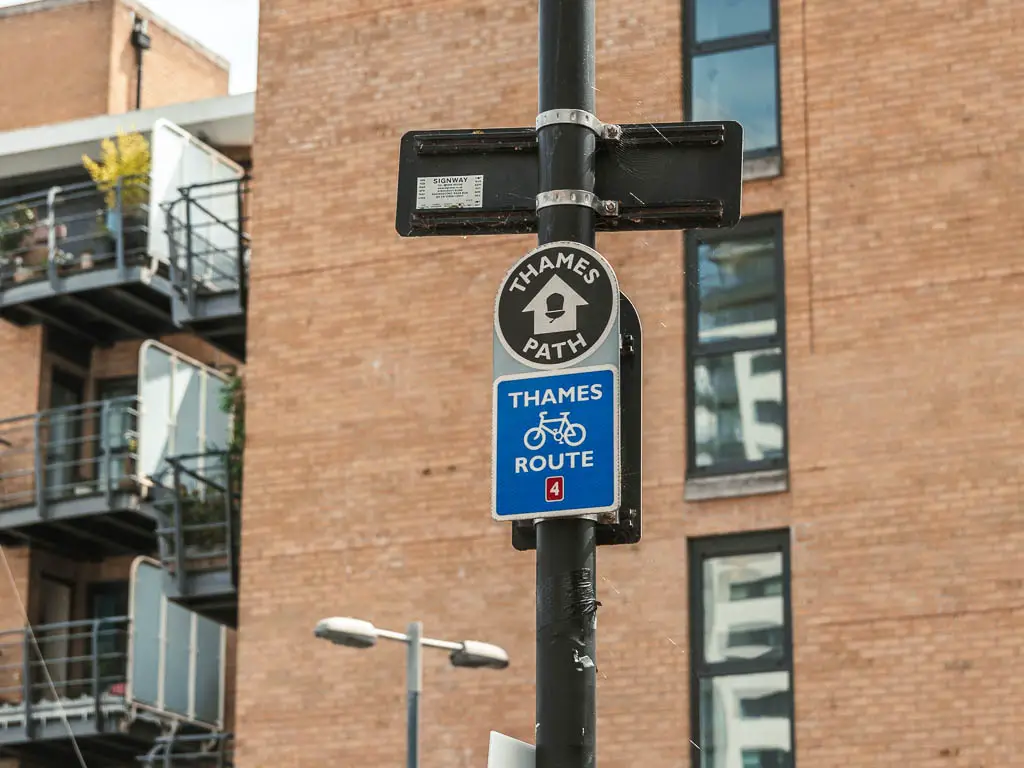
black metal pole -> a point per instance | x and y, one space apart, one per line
138 77
566 548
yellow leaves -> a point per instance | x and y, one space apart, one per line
127 159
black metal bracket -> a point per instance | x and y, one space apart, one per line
628 528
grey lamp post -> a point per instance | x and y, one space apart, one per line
356 633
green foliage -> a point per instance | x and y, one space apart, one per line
200 506
232 402
126 160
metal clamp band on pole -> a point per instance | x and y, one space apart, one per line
608 131
577 197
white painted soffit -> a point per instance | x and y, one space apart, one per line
221 121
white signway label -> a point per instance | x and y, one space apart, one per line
449 192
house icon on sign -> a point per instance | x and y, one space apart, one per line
554 307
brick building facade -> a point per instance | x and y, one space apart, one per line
70 70
887 192
831 569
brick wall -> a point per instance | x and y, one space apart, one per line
122 359
19 395
14 595
20 351
369 401
55 62
68 59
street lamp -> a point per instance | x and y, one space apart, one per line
356 633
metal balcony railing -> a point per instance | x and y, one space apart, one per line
200 531
72 669
159 667
70 452
209 244
191 751
70 229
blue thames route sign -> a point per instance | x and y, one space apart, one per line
556 443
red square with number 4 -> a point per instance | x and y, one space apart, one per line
554 488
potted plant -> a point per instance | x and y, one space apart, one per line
17 232
124 163
201 507
205 504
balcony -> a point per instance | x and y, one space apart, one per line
78 259
104 267
198 533
111 685
209 258
69 480
195 751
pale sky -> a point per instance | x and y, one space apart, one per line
227 27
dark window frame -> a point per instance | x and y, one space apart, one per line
700 550
768 224
693 49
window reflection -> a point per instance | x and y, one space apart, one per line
739 85
737 408
745 721
718 19
737 289
747 628
768 586
765 705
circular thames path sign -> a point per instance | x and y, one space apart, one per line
557 305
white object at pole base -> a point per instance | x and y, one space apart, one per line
506 752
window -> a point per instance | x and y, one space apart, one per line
109 600
736 377
116 434
731 68
741 688
63 445
764 638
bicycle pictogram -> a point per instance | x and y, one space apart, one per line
561 429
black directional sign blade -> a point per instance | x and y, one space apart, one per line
480 182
